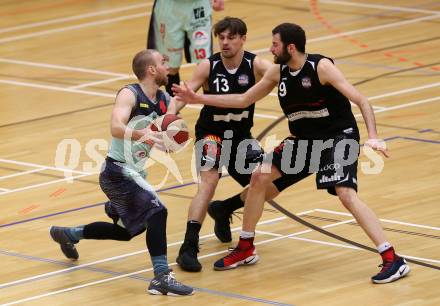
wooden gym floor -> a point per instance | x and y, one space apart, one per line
61 63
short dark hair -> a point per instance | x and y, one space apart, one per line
291 33
140 60
233 24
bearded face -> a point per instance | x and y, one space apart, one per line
283 58
162 80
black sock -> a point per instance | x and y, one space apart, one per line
192 231
233 203
157 233
105 231
172 79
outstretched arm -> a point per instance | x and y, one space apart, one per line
257 92
199 77
261 65
329 74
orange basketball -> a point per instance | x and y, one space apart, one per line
175 131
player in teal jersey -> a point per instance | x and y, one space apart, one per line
182 25
134 206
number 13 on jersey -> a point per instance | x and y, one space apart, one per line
221 85
200 53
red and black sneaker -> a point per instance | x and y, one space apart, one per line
391 270
243 254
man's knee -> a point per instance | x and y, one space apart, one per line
260 178
209 179
346 195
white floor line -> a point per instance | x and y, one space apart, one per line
408 90
192 64
61 67
421 258
380 7
81 266
4 189
74 27
100 94
75 17
22 173
43 167
405 105
359 31
44 184
56 88
99 82
384 220
291 236
339 245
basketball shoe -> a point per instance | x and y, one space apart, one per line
187 258
391 270
166 284
243 254
222 228
67 244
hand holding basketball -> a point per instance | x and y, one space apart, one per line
174 131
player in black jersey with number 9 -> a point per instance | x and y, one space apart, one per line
314 96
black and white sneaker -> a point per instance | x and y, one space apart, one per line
391 271
67 245
166 284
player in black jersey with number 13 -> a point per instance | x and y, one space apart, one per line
314 96
223 136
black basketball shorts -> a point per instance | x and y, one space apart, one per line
333 160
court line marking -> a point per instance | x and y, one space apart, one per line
380 7
42 167
4 191
100 82
363 30
62 67
404 91
44 184
405 105
105 21
74 27
278 237
101 94
94 93
21 173
262 50
74 17
205 237
78 267
346 246
141 5
334 212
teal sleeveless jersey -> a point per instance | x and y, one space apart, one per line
132 154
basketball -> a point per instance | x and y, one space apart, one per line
175 131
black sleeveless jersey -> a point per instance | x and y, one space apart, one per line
144 106
220 82
314 111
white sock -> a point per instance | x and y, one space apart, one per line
246 235
383 247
